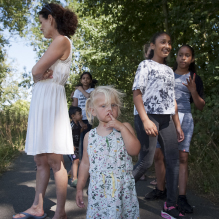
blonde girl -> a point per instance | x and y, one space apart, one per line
106 157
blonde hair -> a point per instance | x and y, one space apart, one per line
109 93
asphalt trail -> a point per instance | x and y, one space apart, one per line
17 187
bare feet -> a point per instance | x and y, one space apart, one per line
64 216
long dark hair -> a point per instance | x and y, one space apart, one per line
192 67
66 20
94 81
153 40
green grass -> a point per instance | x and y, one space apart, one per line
13 127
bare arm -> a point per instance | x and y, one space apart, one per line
83 174
80 88
191 85
179 131
198 101
149 126
75 102
59 48
131 142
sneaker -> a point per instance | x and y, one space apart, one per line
154 182
74 183
156 194
171 212
183 204
142 178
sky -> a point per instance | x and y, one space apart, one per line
21 53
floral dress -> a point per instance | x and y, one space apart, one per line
111 192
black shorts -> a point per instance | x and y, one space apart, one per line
74 156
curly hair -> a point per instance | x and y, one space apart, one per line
66 20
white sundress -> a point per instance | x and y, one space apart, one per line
111 192
49 129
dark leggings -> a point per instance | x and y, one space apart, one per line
89 126
167 138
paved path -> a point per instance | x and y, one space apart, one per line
17 193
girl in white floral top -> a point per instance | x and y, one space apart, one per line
106 157
155 115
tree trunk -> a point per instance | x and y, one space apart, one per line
165 12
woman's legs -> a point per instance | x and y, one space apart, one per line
42 179
61 180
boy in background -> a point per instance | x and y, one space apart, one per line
75 115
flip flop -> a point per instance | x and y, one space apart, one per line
30 216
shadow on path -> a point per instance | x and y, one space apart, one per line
17 189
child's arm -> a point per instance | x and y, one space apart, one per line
80 88
149 126
131 142
179 131
84 127
83 174
75 102
191 85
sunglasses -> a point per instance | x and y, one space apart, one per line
48 8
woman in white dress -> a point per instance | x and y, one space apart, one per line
49 132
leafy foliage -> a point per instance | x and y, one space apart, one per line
110 40
13 127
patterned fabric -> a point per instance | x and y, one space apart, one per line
76 132
111 192
156 83
182 93
82 101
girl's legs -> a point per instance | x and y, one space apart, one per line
183 172
89 126
70 172
168 141
187 127
75 169
61 180
160 170
148 146
42 179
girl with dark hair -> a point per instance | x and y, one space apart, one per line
49 132
80 96
188 89
155 114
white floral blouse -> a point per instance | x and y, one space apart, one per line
111 192
156 83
